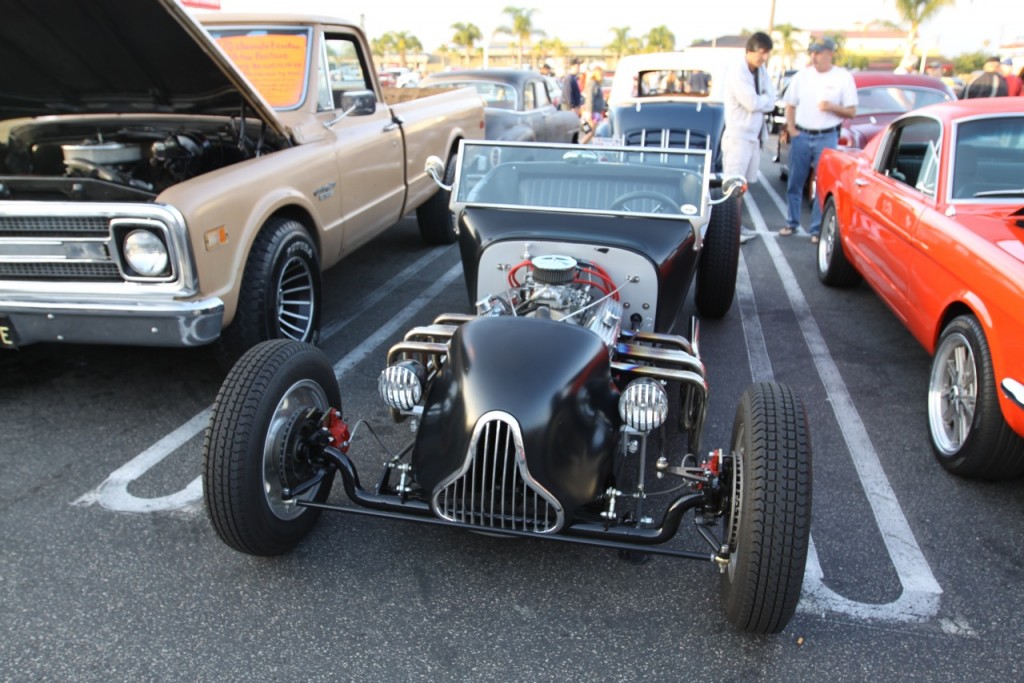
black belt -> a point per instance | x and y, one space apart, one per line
823 131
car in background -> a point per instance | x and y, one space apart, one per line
517 104
881 97
777 119
930 214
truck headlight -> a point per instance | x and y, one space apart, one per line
146 253
401 385
644 405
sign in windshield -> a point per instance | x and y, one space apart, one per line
273 59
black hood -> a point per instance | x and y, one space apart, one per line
114 56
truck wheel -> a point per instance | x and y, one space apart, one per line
719 258
280 293
969 435
768 518
437 225
833 268
251 450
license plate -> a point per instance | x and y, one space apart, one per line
8 338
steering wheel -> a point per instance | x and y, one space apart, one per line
662 202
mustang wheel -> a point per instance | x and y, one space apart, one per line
280 293
253 446
768 517
968 433
719 258
437 225
833 267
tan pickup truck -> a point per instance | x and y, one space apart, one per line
172 182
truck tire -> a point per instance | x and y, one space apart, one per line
833 267
768 518
719 258
249 451
968 433
437 225
280 293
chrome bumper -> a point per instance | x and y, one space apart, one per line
129 323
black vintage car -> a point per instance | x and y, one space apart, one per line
517 104
564 408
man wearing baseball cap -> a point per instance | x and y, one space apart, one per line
819 97
1013 82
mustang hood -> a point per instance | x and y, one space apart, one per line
115 56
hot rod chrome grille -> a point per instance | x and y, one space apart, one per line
494 488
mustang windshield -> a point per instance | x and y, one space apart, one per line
667 183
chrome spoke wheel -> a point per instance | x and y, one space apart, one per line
827 243
952 393
296 300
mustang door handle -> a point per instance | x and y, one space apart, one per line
860 183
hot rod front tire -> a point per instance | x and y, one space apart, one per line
437 225
768 521
719 258
247 447
969 435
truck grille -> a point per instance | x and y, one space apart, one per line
92 272
54 226
494 488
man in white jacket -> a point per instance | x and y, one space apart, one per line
749 93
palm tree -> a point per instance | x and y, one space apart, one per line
660 39
620 43
405 42
553 47
522 27
466 36
915 13
786 43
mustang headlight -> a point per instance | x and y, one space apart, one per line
401 385
145 253
644 405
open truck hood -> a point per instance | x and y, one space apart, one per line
116 57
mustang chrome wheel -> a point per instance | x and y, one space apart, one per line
952 393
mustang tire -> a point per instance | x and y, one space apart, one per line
437 225
768 521
968 433
719 258
280 293
249 446
833 267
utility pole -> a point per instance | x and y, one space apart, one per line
771 19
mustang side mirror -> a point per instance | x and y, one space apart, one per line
434 167
734 184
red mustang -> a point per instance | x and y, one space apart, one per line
931 214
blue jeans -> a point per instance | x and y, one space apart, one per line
804 151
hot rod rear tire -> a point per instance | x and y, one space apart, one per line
245 448
768 521
719 258
437 225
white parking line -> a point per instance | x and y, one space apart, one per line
113 493
919 599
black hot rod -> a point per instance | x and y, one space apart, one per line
565 407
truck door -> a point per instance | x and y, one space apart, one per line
368 149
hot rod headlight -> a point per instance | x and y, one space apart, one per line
145 253
401 385
644 405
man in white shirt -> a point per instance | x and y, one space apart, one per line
819 97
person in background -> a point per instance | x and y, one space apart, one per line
817 100
989 83
545 69
1013 82
594 103
572 98
749 94
908 65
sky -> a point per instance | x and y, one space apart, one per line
968 26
